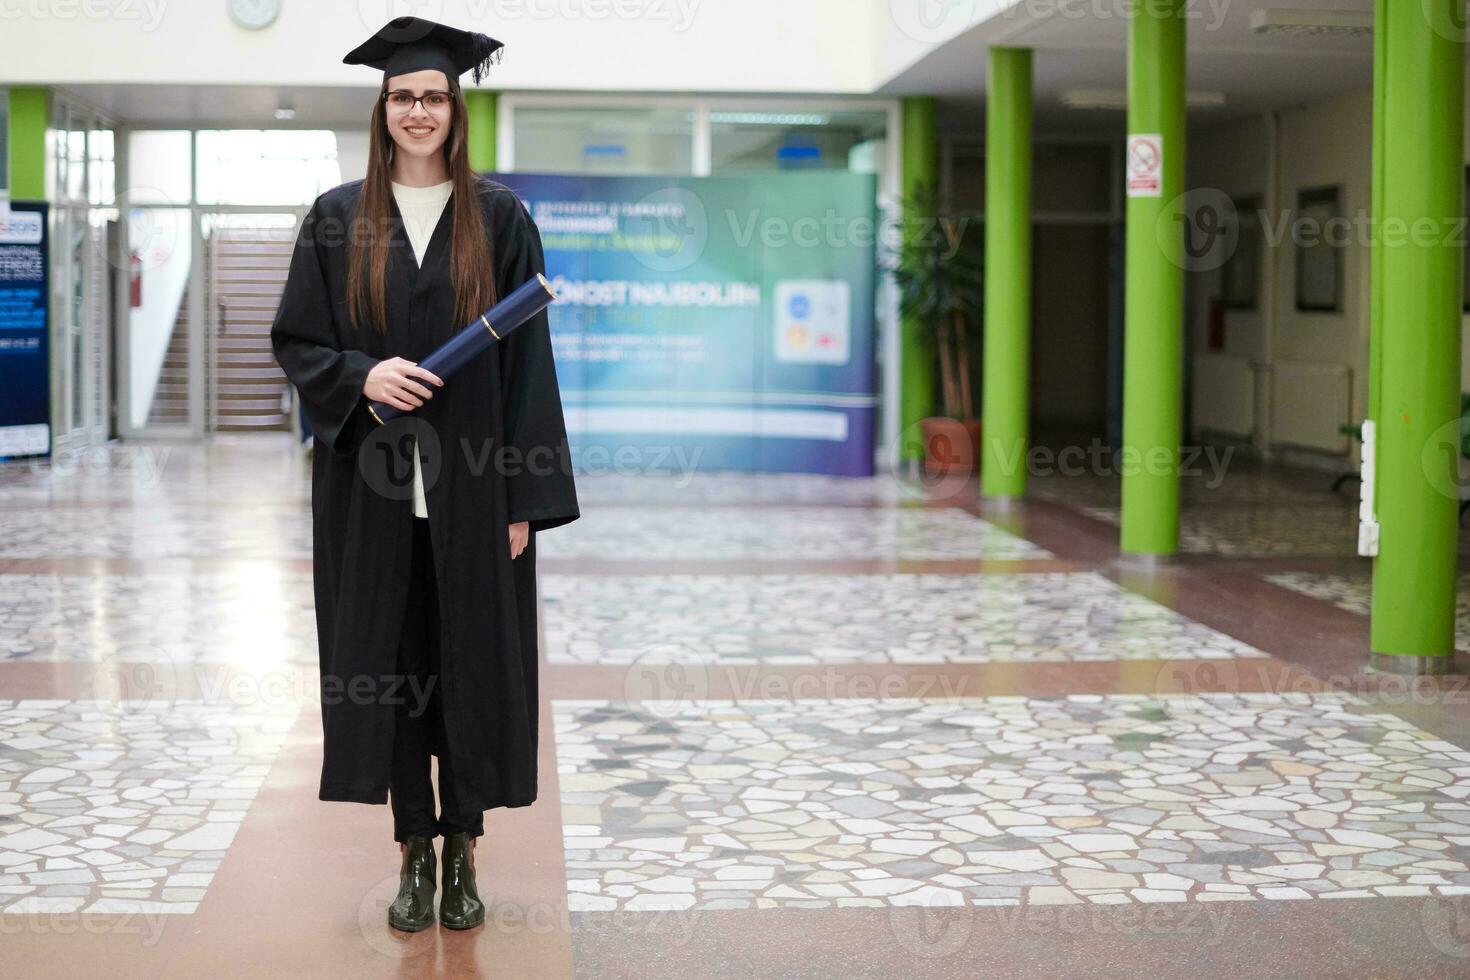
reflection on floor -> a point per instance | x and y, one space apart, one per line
1355 594
206 616
779 714
636 533
805 619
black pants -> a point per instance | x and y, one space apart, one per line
419 719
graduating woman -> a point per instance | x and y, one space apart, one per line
424 529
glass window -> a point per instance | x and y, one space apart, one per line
101 167
255 166
76 159
604 141
746 141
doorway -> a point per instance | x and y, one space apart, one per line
247 255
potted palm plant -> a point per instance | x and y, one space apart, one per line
938 275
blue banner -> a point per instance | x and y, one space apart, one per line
25 391
729 320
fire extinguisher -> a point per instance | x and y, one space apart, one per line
135 278
1217 324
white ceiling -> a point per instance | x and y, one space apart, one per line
234 106
1084 45
1078 44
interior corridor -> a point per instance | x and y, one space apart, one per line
791 726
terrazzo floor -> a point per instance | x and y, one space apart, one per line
124 807
1020 724
1106 799
904 618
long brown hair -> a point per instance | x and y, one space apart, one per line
469 244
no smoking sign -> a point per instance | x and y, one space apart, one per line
1145 164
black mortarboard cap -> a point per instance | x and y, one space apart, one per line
407 44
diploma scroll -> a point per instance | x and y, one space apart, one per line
490 327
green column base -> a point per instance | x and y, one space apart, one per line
1410 664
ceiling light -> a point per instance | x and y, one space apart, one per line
284 113
1107 98
770 118
1311 22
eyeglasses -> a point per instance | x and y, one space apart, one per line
403 100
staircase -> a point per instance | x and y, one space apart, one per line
171 395
248 268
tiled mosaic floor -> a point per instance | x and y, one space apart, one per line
898 618
811 533
174 531
108 808
1354 593
247 616
1105 799
232 467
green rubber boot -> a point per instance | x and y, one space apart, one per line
460 906
413 909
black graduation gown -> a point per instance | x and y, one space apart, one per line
494 451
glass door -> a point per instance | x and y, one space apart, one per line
81 282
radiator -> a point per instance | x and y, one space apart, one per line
1224 397
1309 401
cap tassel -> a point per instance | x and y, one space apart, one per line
487 51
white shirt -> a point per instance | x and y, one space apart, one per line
421 208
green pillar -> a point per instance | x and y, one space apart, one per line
1007 362
1153 282
483 111
1375 254
916 353
1420 140
29 116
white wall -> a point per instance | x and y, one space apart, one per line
1328 143
907 31
1232 159
1322 144
672 45
352 153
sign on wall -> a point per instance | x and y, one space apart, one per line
25 395
720 322
1145 162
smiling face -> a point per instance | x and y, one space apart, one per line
419 128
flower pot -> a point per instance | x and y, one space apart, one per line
950 445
